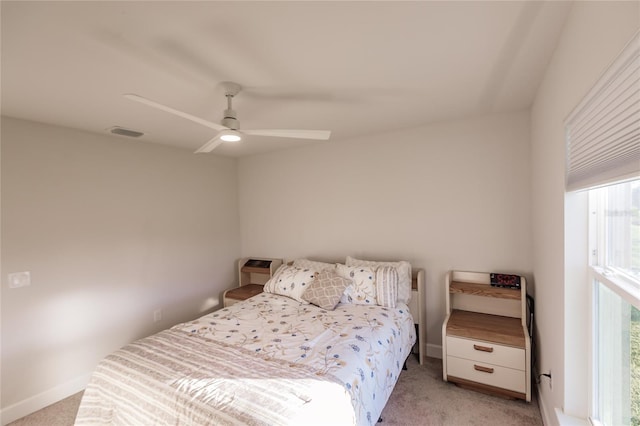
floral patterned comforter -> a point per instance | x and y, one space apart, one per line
364 346
308 358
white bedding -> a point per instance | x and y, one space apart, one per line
360 347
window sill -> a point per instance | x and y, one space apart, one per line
567 420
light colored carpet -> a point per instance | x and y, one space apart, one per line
420 398
62 413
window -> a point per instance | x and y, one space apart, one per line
603 148
615 273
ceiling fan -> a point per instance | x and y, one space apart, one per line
229 129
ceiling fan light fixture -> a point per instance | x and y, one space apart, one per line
230 136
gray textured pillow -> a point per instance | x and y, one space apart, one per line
326 289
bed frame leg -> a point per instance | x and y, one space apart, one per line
404 367
380 420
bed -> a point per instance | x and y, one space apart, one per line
283 357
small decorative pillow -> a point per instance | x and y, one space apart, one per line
363 289
290 281
326 289
387 286
404 274
313 264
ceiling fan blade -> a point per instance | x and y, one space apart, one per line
165 108
284 133
210 146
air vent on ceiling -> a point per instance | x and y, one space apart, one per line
117 130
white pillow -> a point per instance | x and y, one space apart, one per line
313 264
363 289
387 286
404 274
290 281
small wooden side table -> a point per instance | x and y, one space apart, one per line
238 294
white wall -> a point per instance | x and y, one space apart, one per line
444 196
595 32
111 229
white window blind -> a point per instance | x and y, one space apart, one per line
603 131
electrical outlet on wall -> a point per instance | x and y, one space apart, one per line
157 315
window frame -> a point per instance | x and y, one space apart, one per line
615 279
601 138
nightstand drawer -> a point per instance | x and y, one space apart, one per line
489 374
485 352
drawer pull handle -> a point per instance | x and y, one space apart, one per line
482 348
483 369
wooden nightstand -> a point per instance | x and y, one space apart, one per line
244 292
253 273
485 341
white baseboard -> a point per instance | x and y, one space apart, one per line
32 404
560 417
433 351
543 410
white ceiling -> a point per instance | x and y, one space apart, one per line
355 68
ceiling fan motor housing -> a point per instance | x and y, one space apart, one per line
229 119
